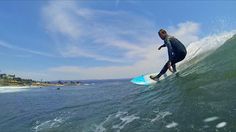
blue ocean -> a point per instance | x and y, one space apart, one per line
202 98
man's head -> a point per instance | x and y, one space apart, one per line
162 33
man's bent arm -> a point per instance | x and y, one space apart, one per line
170 50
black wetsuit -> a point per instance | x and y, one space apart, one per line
176 52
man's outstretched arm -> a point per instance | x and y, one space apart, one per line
161 46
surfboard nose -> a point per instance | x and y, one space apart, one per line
138 80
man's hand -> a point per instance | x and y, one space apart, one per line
160 48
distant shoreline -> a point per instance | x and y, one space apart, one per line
14 86
28 86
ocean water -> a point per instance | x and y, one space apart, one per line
201 98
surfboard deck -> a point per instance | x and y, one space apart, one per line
146 80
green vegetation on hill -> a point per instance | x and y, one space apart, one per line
12 80
9 80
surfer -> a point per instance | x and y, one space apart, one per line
176 53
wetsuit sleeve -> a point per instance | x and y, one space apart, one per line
164 45
169 48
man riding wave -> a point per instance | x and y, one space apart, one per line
176 53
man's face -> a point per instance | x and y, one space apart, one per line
162 36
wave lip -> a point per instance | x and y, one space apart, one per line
205 46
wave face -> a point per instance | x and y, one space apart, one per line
200 98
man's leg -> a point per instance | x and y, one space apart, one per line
175 60
163 71
174 67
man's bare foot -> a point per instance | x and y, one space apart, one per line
155 78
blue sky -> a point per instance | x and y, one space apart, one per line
53 40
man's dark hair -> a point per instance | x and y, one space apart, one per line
162 31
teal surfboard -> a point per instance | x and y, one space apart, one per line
146 80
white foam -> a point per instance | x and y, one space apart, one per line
48 124
88 84
125 120
209 119
120 113
171 125
220 125
128 119
100 127
161 115
10 89
19 86
207 44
